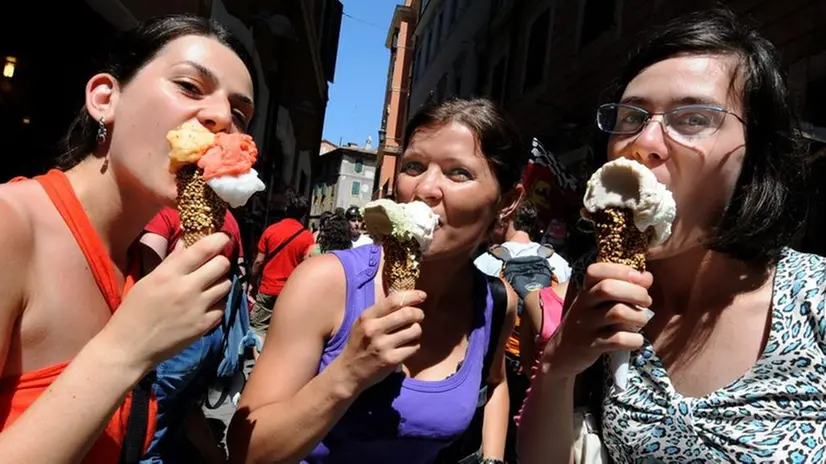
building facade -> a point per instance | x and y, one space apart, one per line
549 62
394 114
344 178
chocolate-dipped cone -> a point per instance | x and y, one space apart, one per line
202 211
618 239
402 264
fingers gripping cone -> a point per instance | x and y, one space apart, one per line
202 211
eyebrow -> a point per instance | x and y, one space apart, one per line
686 100
207 73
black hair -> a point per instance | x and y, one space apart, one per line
128 53
335 234
353 212
324 217
498 139
296 205
768 206
526 217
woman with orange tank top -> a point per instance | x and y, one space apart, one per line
77 332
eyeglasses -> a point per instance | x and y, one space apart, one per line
693 121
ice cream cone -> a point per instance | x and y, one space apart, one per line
202 211
402 264
618 239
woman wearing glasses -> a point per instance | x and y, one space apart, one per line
732 367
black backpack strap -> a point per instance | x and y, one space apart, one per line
137 424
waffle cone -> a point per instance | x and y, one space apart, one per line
402 264
201 210
619 240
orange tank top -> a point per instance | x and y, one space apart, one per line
19 392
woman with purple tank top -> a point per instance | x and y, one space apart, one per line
350 375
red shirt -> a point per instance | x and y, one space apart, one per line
279 267
167 224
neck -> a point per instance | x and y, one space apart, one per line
700 279
117 214
517 236
441 278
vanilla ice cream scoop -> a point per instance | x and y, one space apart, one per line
404 221
627 184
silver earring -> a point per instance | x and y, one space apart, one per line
101 137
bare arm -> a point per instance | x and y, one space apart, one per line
546 428
153 250
497 410
257 268
282 420
529 327
65 421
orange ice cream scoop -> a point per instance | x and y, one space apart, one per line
188 143
230 155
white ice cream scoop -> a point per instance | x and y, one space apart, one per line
625 183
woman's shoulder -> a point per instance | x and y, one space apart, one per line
17 241
796 268
17 224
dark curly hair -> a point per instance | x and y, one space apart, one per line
768 206
335 234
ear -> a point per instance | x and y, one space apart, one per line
510 201
101 96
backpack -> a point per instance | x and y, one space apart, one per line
525 273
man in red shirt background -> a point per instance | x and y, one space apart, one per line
283 246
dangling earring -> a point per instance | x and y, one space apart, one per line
101 137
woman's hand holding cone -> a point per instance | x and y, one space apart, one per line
383 337
604 317
172 306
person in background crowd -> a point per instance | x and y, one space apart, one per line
321 220
527 266
183 380
283 246
515 235
730 368
357 234
351 373
73 345
334 235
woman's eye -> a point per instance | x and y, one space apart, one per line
695 119
189 87
459 175
412 168
240 120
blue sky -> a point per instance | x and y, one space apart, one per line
357 95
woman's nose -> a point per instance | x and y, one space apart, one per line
217 115
429 187
649 146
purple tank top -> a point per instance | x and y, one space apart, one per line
401 420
